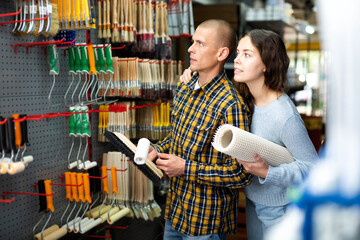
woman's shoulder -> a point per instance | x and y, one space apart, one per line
286 106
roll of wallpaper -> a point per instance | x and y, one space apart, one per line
243 145
142 151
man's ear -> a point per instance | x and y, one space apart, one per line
223 53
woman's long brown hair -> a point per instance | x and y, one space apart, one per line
273 54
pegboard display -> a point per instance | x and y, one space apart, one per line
26 82
25 86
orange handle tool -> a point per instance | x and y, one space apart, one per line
73 187
114 180
68 187
87 187
17 132
105 180
79 177
49 199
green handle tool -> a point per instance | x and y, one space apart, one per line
54 70
77 59
101 60
71 60
85 121
72 122
78 121
109 62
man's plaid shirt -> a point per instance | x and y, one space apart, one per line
205 199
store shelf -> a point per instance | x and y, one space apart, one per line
277 26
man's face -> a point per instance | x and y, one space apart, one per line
204 50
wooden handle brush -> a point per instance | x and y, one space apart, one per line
131 25
100 35
115 32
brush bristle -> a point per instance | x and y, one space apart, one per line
37 24
100 35
122 147
115 35
54 20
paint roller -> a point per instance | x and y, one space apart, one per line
68 196
115 191
101 210
46 205
10 145
80 189
53 232
57 232
105 216
47 232
2 141
124 145
95 189
243 145
74 190
116 215
142 151
16 167
25 141
3 146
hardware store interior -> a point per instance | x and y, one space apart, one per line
89 88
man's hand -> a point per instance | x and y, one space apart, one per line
172 165
152 155
186 76
258 168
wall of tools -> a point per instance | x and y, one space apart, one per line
69 71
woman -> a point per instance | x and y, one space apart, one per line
260 67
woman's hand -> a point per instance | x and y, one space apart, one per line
186 76
258 168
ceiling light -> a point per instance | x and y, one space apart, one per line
310 29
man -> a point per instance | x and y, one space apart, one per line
203 185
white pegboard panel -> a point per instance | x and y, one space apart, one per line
25 85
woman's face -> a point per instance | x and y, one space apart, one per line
248 66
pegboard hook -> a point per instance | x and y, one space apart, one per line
7 201
11 14
25 20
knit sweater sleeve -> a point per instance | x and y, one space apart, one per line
296 139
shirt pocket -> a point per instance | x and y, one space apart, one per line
200 135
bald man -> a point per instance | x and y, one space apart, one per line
204 183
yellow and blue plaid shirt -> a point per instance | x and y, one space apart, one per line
205 200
